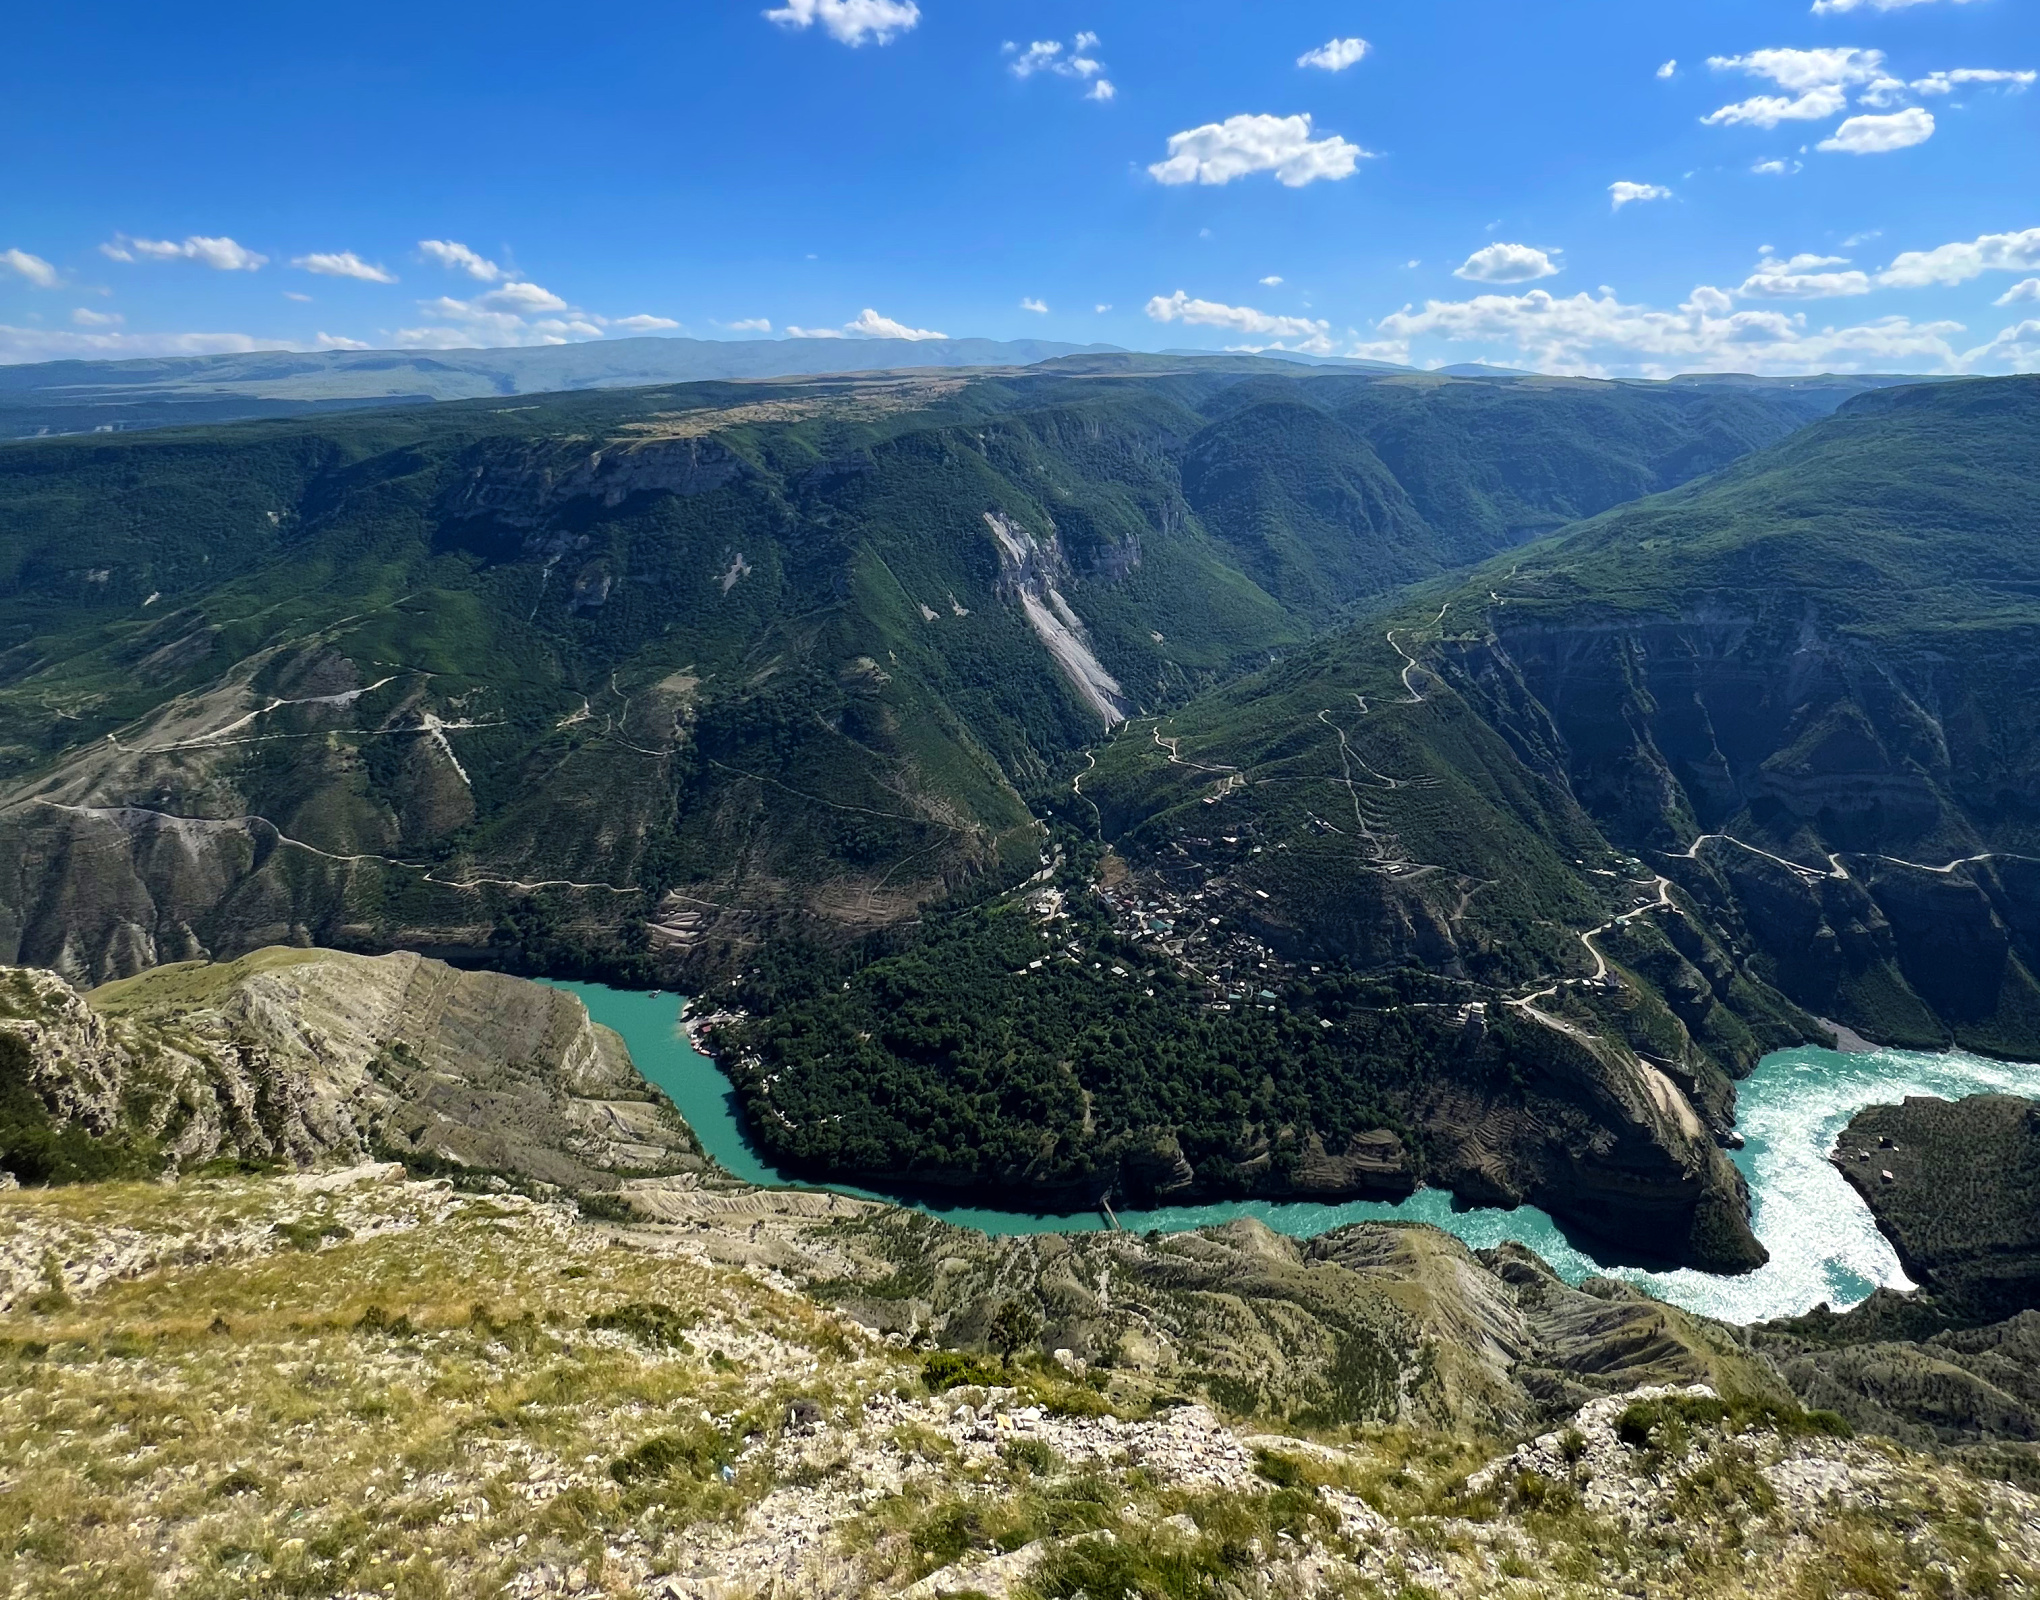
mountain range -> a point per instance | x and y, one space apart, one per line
1137 775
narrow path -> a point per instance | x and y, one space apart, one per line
1836 870
425 868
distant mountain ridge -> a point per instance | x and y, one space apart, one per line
84 396
67 397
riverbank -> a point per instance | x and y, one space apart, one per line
1825 1246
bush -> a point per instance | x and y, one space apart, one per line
646 1321
307 1234
695 1454
944 1370
1030 1455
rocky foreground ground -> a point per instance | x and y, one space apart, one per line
353 1383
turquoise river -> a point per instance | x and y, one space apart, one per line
1823 1243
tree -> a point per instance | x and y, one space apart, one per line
1014 1328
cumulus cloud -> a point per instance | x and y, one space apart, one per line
1670 69
1598 333
222 254
514 313
851 22
1506 263
1272 281
1300 333
1803 277
2020 294
642 323
457 257
868 324
1824 8
1625 193
1219 152
343 264
336 341
1335 55
750 325
2015 349
85 317
1038 307
1817 84
524 298
1064 61
1949 82
1958 263
1776 167
1879 135
50 344
36 270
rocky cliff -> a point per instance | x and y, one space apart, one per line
305 1056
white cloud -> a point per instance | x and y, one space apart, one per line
750 325
868 324
1594 334
1624 192
301 299
522 298
1958 263
642 323
1506 263
1038 307
851 22
1335 55
1879 135
2016 349
1824 8
1777 167
457 257
36 270
814 333
335 341
87 318
1669 69
1949 82
222 254
1272 281
1312 337
1102 309
1803 278
49 344
1796 71
1817 84
1071 61
344 264
1219 152
2020 294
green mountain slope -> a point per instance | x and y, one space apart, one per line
1525 872
701 660
722 680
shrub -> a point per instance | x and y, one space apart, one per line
307 1233
944 1370
646 1321
1030 1455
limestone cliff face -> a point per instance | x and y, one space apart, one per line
302 1055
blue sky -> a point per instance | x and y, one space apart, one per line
1849 185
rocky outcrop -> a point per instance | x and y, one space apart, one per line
1955 1187
309 1056
521 486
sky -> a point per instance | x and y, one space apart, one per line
1605 188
